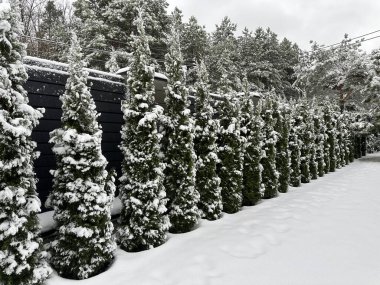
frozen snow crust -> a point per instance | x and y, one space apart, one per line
325 232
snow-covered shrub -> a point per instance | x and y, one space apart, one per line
319 139
178 145
281 116
143 221
306 138
360 128
268 160
371 142
252 136
339 147
330 142
230 149
22 260
294 149
82 188
207 180
313 163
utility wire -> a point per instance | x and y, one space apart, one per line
370 39
361 36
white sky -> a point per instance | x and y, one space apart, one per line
325 21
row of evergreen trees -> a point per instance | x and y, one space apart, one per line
228 155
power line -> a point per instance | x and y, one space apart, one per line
361 36
370 39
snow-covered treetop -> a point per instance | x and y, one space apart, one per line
173 59
79 110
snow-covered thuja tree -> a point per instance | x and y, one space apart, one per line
305 137
319 139
82 188
295 149
341 140
268 160
330 142
347 137
22 260
230 147
207 182
143 221
252 137
313 163
178 145
281 114
339 147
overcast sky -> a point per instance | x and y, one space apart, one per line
325 21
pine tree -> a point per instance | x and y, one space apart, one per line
82 188
143 221
194 41
295 149
268 161
207 182
110 23
373 88
22 260
251 125
265 63
178 147
53 27
112 64
222 56
282 120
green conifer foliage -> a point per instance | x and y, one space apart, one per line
251 125
313 164
339 147
330 145
22 260
143 221
305 137
348 140
82 188
268 160
207 182
178 146
230 147
282 127
319 131
295 149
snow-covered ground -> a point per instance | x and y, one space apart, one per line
325 232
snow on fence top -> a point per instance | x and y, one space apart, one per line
50 65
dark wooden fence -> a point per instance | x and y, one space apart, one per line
46 83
